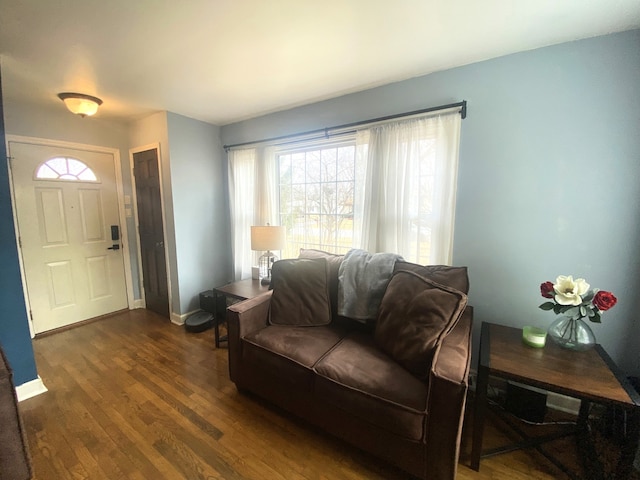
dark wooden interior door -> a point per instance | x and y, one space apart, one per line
154 267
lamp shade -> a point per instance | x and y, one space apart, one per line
80 104
267 238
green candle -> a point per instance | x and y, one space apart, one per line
534 336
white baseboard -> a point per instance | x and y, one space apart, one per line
30 389
178 319
139 303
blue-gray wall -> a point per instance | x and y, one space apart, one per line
199 208
15 338
549 177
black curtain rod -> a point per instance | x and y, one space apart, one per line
325 131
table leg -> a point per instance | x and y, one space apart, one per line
216 317
479 413
630 447
587 452
583 417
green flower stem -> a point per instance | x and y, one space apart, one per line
571 325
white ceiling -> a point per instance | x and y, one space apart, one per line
221 61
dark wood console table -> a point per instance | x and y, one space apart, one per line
590 376
242 290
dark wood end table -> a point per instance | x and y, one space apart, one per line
589 376
242 290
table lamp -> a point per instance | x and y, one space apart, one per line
267 238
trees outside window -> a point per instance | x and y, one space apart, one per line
317 188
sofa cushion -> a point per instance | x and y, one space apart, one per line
288 351
300 292
414 316
333 267
362 380
455 277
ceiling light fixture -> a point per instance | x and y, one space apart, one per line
80 104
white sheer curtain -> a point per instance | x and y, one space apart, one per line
253 198
267 175
406 200
241 192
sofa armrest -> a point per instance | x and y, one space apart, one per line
244 318
448 384
453 358
250 315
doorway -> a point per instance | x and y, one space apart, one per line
70 236
146 173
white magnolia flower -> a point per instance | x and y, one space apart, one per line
570 291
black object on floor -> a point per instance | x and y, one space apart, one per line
208 301
199 322
526 403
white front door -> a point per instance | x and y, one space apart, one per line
66 204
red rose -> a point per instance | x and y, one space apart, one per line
546 290
604 300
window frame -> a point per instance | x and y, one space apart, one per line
60 178
319 145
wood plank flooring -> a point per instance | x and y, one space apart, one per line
135 397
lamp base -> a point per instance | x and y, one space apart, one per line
265 262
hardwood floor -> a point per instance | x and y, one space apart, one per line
135 397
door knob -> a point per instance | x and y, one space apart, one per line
115 246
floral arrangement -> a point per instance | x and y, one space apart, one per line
576 298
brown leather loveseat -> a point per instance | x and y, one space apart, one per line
396 389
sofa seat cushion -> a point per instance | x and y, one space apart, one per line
362 380
290 352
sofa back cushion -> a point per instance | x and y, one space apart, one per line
414 316
455 277
300 292
333 267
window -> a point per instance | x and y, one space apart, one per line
65 168
420 211
316 197
410 188
389 187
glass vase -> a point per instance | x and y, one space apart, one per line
571 333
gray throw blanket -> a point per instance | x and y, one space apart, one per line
362 281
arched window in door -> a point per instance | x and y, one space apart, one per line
65 168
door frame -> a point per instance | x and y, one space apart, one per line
134 192
121 210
